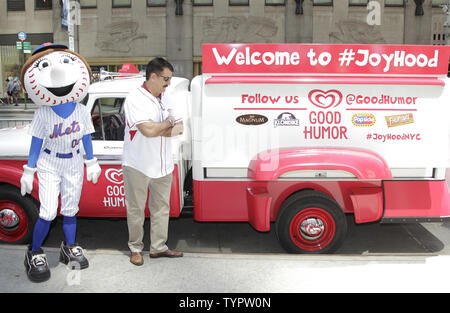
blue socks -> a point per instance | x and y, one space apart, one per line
40 232
42 227
70 229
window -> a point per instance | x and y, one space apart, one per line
156 3
437 3
87 4
357 2
322 2
108 119
394 3
42 4
275 2
202 2
238 2
121 3
16 5
439 39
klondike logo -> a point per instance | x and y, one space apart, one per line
251 119
286 119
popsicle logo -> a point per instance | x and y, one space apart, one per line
363 119
325 99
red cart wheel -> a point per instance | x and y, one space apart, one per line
17 216
311 222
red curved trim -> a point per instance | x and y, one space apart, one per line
364 164
175 205
353 80
11 173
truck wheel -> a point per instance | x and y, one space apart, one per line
17 216
311 222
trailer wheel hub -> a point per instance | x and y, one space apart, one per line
8 219
312 228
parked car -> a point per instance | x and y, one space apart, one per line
279 136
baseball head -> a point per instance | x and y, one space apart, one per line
54 75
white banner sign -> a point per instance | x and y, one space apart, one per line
406 125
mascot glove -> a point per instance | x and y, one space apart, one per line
93 170
26 182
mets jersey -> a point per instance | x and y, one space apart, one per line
61 135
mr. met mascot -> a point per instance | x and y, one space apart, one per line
57 79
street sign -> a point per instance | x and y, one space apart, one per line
22 36
26 46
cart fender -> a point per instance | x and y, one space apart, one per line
259 202
363 164
12 174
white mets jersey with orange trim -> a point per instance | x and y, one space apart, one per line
62 135
60 166
150 155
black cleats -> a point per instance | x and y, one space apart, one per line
73 256
36 266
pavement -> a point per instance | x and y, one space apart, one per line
111 271
21 107
228 258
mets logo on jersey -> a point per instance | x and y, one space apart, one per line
59 132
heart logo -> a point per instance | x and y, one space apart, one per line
114 175
325 99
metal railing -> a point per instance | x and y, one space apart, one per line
8 122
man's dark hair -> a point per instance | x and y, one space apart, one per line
157 65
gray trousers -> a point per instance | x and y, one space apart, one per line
137 186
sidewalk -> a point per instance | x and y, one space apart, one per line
29 107
111 271
234 258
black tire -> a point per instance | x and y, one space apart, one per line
311 222
18 215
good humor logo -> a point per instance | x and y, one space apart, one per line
115 193
325 99
115 176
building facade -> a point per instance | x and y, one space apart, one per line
110 33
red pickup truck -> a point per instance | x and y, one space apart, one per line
289 136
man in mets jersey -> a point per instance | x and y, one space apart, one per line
147 161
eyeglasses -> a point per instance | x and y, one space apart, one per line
166 78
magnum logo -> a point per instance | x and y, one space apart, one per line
398 120
251 119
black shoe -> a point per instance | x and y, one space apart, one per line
73 254
36 266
